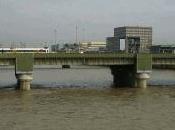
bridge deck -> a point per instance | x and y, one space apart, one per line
88 59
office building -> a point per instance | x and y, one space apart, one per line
137 39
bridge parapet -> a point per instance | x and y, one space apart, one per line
84 55
105 59
7 59
163 61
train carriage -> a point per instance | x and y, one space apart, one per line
25 50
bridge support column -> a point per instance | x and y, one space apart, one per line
24 81
123 76
141 80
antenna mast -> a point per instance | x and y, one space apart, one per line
77 39
76 34
55 36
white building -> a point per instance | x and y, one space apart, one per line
92 46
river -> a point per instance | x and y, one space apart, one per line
85 99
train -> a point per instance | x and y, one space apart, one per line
25 50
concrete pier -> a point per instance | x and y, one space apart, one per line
126 76
123 76
141 80
24 81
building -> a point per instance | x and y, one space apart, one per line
163 49
70 47
111 44
137 39
92 46
55 48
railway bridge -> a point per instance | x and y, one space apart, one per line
127 69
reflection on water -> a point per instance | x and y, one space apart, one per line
83 100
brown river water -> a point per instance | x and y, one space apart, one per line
85 99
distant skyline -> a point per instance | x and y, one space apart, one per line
36 20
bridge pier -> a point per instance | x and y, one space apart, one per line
141 79
24 81
126 76
123 76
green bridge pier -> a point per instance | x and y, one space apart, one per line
128 70
24 70
135 75
124 76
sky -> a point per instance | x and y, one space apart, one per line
36 20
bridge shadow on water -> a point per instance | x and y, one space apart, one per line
98 79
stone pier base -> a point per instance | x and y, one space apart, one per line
141 80
24 81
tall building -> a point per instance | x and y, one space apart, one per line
137 39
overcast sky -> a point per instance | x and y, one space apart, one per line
35 20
